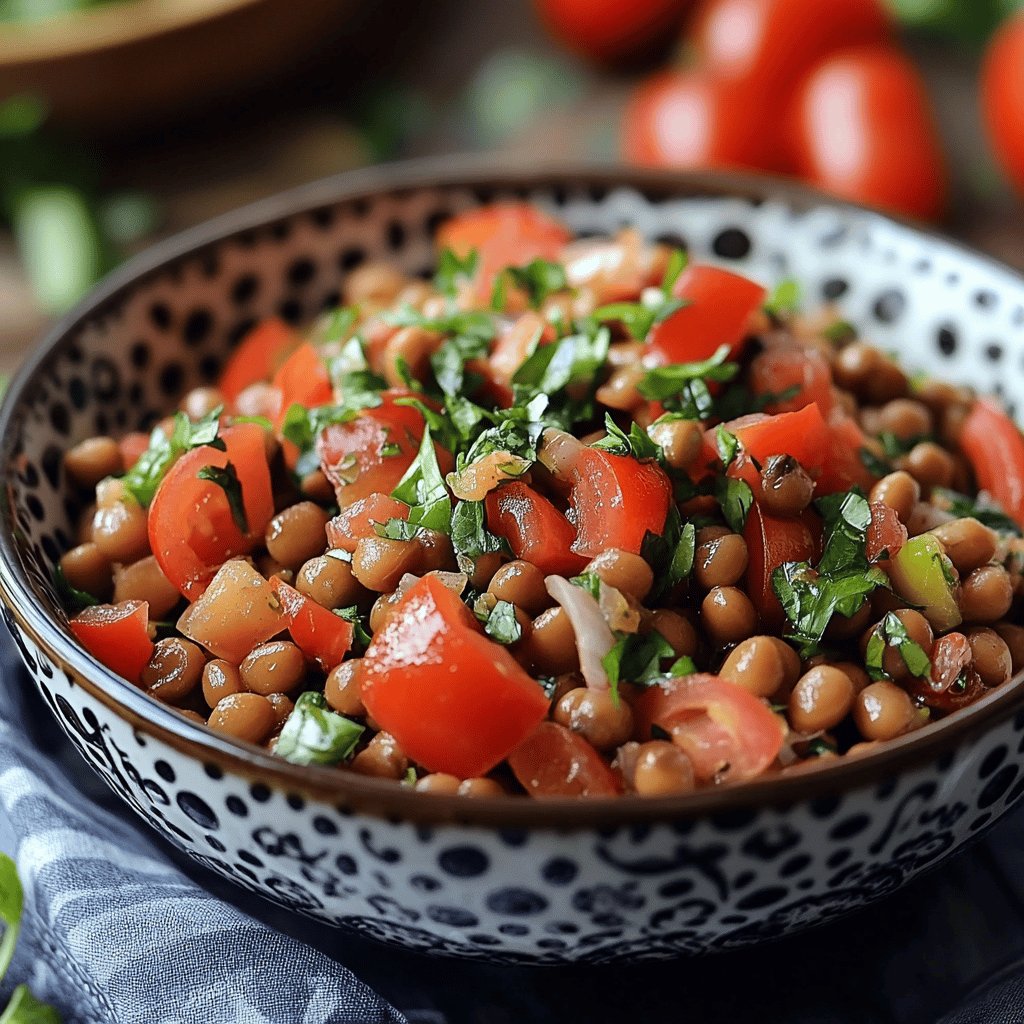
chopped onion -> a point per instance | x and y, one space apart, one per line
621 614
593 637
479 478
455 581
559 452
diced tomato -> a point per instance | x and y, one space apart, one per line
886 534
801 434
454 700
616 501
508 353
535 530
191 529
772 540
995 448
554 761
302 380
725 730
503 235
720 304
132 446
843 467
355 522
318 632
257 357
117 635
802 370
352 454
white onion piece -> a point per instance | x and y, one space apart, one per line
455 581
559 452
593 637
619 612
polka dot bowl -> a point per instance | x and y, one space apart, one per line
513 880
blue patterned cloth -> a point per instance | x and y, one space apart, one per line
121 928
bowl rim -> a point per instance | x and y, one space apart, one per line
383 798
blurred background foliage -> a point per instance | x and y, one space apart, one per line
384 81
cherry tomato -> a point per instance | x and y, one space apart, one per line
554 761
302 379
771 44
697 120
843 466
864 130
607 30
801 370
454 700
317 631
800 434
503 235
353 454
726 731
117 635
886 534
616 501
257 357
191 529
357 520
995 448
718 312
772 540
953 681
535 530
1003 97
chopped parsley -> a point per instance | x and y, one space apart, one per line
639 317
500 623
423 490
636 658
735 499
671 554
539 279
986 511
70 596
226 478
360 627
636 443
784 300
313 734
727 444
892 633
677 380
677 263
470 536
453 271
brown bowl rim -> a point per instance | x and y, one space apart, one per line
383 798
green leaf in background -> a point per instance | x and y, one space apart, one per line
12 901
127 217
21 115
24 1008
966 20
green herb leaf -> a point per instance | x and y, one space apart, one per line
501 624
361 627
684 666
727 444
636 443
335 326
636 658
423 490
539 279
590 582
874 465
313 734
987 512
735 498
449 362
143 479
670 554
470 536
639 317
847 517
572 360
12 900
891 632
227 479
669 381
475 323
840 331
677 262
453 271
69 596
24 1008
784 299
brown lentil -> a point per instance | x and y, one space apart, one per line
899 491
990 656
821 699
905 418
329 581
624 571
882 711
220 679
297 534
728 615
342 690
522 584
439 782
174 669
551 645
1013 636
967 542
986 594
662 769
786 487
144 580
720 562
595 714
87 568
382 758
92 460
929 465
681 440
480 787
245 716
759 665
274 667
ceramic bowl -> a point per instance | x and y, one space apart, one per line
509 880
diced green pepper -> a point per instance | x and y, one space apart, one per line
923 576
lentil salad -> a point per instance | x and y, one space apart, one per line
577 518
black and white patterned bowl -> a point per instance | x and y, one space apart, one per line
501 880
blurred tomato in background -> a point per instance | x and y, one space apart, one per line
1003 86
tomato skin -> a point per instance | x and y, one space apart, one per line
1002 86
721 304
772 540
691 119
356 522
504 235
616 501
886 534
117 635
455 701
772 44
995 448
800 434
553 761
302 379
843 466
191 530
256 357
535 530
318 632
715 722
607 31
864 130
776 371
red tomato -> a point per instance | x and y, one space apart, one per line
693 119
554 761
503 235
132 446
864 130
995 449
351 454
843 466
357 521
535 530
726 731
772 540
771 44
1003 97
256 357
777 371
719 310
616 501
456 701
191 529
886 534
302 379
608 31
318 632
117 635
800 434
